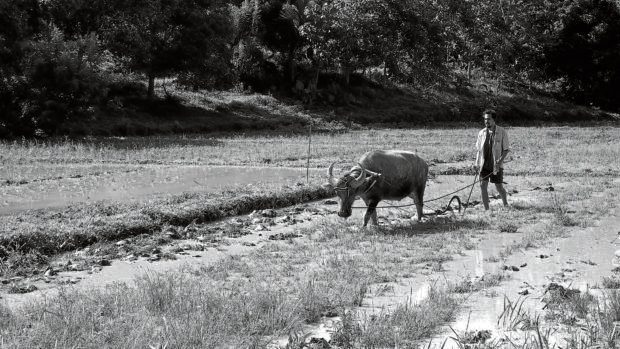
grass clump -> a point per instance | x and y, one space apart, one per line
168 310
567 305
612 282
487 280
508 227
401 328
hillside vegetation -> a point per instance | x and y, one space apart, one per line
143 66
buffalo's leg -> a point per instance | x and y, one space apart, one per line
420 206
371 212
418 199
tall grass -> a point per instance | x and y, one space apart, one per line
171 310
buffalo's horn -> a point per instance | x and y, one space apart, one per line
330 173
359 180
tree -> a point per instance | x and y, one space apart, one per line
19 21
162 37
268 30
79 17
587 51
65 78
347 34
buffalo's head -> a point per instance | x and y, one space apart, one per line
347 188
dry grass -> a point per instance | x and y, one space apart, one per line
593 151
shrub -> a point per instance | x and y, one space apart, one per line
65 79
253 69
12 121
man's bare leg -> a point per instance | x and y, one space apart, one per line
484 185
502 193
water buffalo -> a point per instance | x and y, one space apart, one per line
381 175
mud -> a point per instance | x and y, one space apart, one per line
578 260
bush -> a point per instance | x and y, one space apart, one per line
65 79
12 121
590 36
254 71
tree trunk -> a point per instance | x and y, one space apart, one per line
347 75
292 64
151 89
293 68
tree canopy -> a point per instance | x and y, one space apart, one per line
267 44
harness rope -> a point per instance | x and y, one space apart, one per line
437 212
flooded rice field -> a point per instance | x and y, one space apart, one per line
137 183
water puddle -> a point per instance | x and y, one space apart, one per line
138 185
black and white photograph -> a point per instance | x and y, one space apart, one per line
310 174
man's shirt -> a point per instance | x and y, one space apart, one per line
498 142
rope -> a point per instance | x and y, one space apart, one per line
471 191
437 198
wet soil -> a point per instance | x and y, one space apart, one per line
579 259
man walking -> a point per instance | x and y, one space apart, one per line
492 147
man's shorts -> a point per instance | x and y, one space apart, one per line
497 178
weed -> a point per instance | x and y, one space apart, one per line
514 316
469 285
407 324
507 227
611 282
567 305
561 212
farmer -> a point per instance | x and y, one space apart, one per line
492 147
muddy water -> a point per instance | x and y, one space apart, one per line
140 184
578 261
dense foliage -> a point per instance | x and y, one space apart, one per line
60 59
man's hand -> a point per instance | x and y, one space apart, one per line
498 165
476 168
